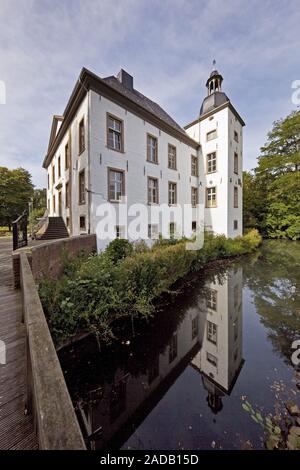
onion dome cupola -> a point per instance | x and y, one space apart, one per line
215 96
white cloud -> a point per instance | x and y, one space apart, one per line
167 46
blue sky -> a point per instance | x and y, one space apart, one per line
167 45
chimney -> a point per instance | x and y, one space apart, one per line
125 79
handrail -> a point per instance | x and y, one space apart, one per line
42 225
24 213
47 397
20 231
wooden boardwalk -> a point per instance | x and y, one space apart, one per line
16 429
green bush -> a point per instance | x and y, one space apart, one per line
100 289
118 249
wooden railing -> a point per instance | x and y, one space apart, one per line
20 231
47 395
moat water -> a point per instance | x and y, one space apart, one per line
180 380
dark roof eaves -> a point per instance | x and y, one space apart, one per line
88 80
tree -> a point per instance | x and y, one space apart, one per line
272 193
39 199
253 201
16 189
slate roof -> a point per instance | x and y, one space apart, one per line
143 101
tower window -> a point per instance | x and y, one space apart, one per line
211 135
235 197
236 163
211 162
236 136
235 225
211 197
82 187
211 333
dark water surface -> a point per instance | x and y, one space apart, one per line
181 381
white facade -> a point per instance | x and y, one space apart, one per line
96 158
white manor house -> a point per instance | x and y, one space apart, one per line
113 142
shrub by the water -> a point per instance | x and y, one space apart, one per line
123 282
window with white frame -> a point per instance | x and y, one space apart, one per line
211 299
211 197
236 163
172 193
152 190
212 332
114 133
172 157
194 196
152 149
211 162
115 185
235 197
194 165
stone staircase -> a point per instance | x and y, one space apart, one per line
56 229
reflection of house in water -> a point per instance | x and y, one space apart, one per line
209 337
220 358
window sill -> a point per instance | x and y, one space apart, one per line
154 163
81 203
211 172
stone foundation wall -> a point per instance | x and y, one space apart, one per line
48 259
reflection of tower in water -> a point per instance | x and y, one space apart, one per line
220 358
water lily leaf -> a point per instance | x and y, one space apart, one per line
277 430
272 442
246 407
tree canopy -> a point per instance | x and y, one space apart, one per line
16 189
272 192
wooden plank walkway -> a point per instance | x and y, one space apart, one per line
16 429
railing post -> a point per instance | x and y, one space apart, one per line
15 235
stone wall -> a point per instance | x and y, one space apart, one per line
48 259
47 396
